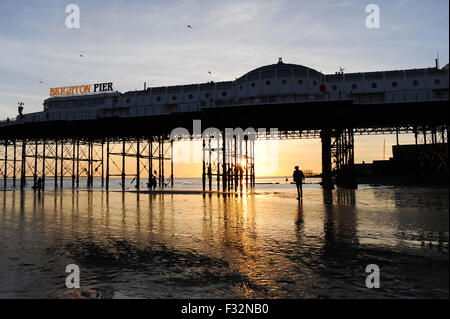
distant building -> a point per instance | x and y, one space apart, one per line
414 162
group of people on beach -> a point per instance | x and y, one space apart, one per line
39 184
298 176
154 181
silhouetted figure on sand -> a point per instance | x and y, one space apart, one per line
298 179
154 181
39 183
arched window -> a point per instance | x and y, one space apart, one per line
300 82
415 82
190 96
224 93
158 99
284 81
394 84
253 84
374 85
267 82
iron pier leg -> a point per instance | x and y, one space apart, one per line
103 170
78 164
150 162
246 162
89 164
56 164
160 155
43 164
162 161
73 162
138 168
35 163
203 167
351 159
224 162
171 164
253 162
107 164
91 161
327 181
92 165
230 164
209 165
123 164
5 177
14 164
236 177
62 166
218 163
23 165
344 159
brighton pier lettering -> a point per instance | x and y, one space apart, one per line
81 89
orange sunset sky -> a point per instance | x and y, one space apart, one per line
278 158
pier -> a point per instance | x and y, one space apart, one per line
54 150
85 136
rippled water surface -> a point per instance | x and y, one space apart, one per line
264 244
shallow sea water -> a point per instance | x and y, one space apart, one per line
260 245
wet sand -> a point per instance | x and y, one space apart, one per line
189 245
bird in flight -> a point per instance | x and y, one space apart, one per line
41 82
209 72
81 55
189 26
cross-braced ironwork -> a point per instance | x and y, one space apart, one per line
432 149
342 151
230 160
150 156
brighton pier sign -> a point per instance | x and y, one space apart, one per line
82 89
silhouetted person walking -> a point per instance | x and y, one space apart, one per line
298 179
154 181
39 184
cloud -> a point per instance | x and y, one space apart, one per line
129 42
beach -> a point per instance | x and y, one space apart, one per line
261 243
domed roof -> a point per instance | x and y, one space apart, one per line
283 68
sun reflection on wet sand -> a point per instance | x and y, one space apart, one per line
244 246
